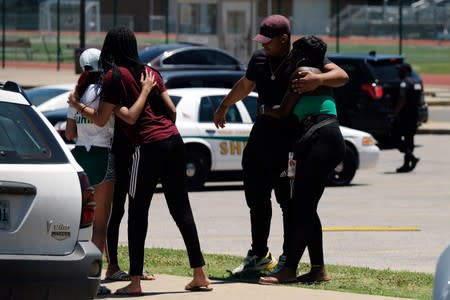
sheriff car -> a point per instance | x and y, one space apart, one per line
217 153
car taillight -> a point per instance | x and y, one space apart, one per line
375 91
88 202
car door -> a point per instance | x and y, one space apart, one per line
227 144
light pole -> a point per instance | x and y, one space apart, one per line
338 24
3 33
400 26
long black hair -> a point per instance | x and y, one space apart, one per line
120 49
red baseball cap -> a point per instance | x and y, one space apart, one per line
271 27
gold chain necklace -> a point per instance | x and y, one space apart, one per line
272 76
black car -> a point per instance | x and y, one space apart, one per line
189 56
368 100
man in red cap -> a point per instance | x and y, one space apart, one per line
265 155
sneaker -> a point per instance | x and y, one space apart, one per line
255 263
280 264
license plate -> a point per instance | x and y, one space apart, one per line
4 214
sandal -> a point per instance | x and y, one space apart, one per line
197 288
118 276
103 290
147 276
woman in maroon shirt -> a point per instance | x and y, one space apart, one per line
138 96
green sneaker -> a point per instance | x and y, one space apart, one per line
255 263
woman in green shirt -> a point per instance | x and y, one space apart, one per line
318 150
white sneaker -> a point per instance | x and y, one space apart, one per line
255 263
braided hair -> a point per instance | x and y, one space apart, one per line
308 51
120 49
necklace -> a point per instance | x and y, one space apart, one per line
272 76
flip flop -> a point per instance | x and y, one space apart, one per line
147 276
123 292
103 290
118 276
198 288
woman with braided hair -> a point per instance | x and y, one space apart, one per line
137 95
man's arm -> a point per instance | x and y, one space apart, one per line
332 76
240 90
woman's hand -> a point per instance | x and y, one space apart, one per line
147 81
74 100
305 81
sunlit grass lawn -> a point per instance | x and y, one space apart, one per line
344 278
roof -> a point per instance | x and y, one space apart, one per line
365 56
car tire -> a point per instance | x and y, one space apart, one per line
197 168
343 174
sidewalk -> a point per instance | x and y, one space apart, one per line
169 287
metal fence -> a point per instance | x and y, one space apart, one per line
417 21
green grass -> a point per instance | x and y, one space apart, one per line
432 59
344 278
425 59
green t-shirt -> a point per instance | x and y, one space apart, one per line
315 105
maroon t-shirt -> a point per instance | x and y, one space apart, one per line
153 123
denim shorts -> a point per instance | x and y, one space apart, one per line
98 163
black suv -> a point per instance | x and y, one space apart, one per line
368 100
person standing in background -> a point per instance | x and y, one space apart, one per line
406 111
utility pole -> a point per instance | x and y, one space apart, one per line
82 24
338 24
400 26
115 13
58 35
3 33
167 21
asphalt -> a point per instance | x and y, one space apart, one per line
172 287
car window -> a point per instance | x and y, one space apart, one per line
387 70
208 106
199 57
217 58
25 139
175 99
251 103
38 96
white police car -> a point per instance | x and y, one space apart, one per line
217 153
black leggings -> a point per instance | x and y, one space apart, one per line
165 161
122 169
314 166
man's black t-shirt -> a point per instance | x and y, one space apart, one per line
272 76
259 70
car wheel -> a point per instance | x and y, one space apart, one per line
345 170
197 169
